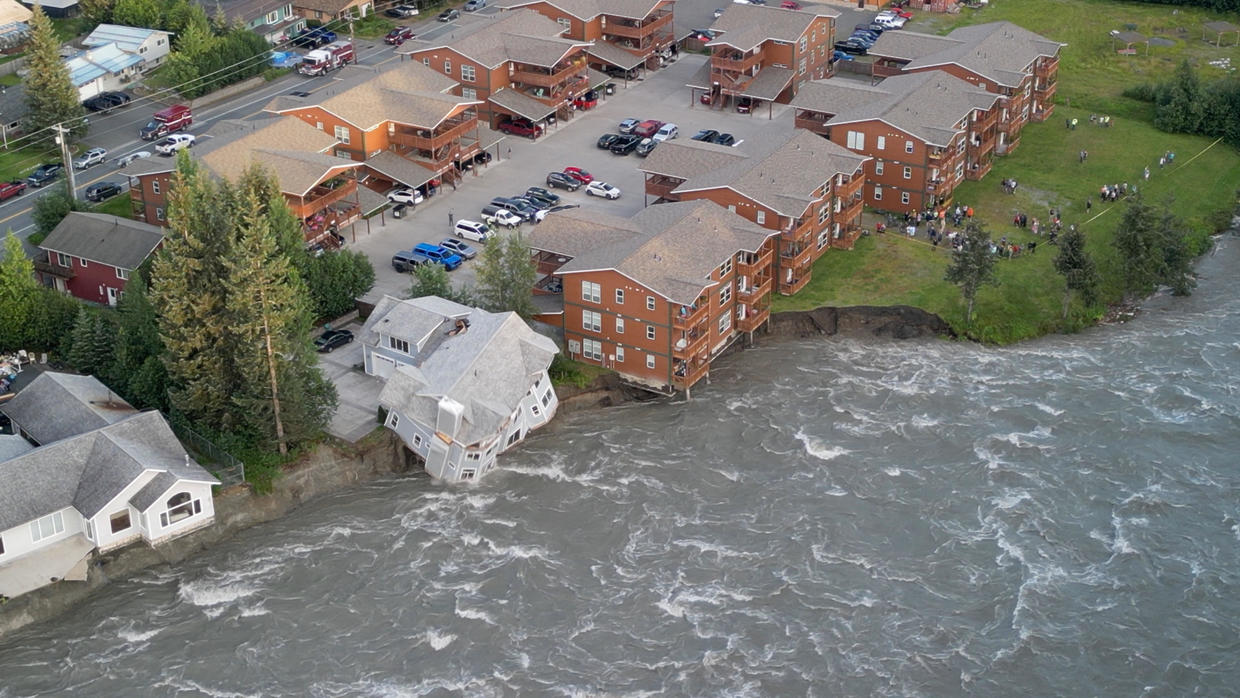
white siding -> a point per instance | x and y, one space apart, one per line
18 541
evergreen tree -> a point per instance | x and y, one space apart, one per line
1176 267
53 312
1181 109
1136 242
1078 270
335 280
972 266
80 355
138 347
19 291
51 97
432 280
96 11
505 277
138 13
51 208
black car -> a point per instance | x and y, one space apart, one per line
724 139
559 180
520 208
402 11
102 190
107 101
706 135
605 140
44 174
643 149
851 46
482 157
331 339
542 195
449 15
874 27
618 72
625 144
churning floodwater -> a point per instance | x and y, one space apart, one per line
834 517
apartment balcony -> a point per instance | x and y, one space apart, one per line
788 287
691 343
688 372
639 30
851 189
755 265
732 61
423 139
758 288
937 155
986 122
798 230
1046 70
43 264
661 187
690 317
327 223
813 121
549 79
1009 146
979 169
795 255
757 314
323 196
1040 115
851 211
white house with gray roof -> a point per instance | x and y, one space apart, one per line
463 384
96 475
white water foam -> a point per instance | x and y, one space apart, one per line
475 614
438 640
816 448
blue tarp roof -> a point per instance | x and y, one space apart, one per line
97 62
128 38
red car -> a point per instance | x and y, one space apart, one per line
522 127
899 11
579 174
10 189
587 100
790 5
648 128
398 36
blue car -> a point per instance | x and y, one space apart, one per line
314 38
437 254
841 56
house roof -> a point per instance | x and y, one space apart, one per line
523 36
13 11
670 248
400 169
244 10
292 149
610 53
127 38
97 62
784 171
367 96
331 7
521 104
747 26
928 104
998 51
487 368
589 9
768 83
56 406
116 242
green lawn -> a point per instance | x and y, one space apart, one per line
1203 180
17 163
119 206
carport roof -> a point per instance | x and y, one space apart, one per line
589 9
768 83
597 79
701 79
399 169
521 105
614 55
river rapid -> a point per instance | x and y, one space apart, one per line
829 517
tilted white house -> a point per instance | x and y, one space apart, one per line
463 384
94 474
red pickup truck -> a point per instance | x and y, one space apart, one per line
522 127
10 189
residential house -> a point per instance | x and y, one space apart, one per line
462 385
151 45
57 9
795 183
999 57
658 296
515 63
103 69
274 20
403 122
13 110
333 10
626 34
319 187
14 25
926 132
91 255
765 53
98 475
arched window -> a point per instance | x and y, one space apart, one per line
180 506
178 499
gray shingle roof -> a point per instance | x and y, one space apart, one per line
669 248
488 368
400 169
56 406
615 55
768 83
589 9
521 104
521 35
292 149
747 26
999 51
366 96
116 242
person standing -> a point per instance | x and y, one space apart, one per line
451 217
1089 203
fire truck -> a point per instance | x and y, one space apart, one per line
324 60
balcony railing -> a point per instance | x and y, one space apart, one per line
686 373
797 283
629 29
690 317
543 78
691 343
795 255
812 121
755 265
757 315
44 264
758 287
730 60
321 197
423 139
978 169
986 122
661 187
798 230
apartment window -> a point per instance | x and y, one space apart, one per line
469 93
447 67
516 436
801 70
417 440
591 292
960 170
399 345
823 212
592 349
761 217
960 146
881 142
649 360
122 273
725 294
726 267
619 325
878 167
878 193
619 355
154 186
804 43
393 420
119 521
47 527
908 146
564 22
824 238
649 331
342 134
426 61
64 260
546 398
273 17
904 197
856 140
619 296
908 172
467 73
725 322
592 321
159 214
649 302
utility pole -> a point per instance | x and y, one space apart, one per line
62 138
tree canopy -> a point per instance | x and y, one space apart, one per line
1078 269
972 266
51 97
505 277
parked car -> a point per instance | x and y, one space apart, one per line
643 149
402 11
648 128
448 15
897 12
579 174
533 204
605 140
623 73
461 249
44 174
560 180
330 340
744 105
666 132
495 216
406 260
866 36
92 157
719 12
471 230
435 253
173 143
890 21
852 46
482 157
521 127
706 135
703 35
790 5
586 100
10 189
626 144
398 36
411 197
602 189
102 190
126 159
107 101
522 210
628 125
314 38
542 195
562 207
475 5
725 139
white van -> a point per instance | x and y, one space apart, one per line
471 230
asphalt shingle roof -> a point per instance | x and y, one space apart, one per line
589 9
288 146
57 405
746 26
521 35
521 104
98 237
998 51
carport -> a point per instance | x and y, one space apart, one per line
610 54
767 85
1129 39
515 104
1219 29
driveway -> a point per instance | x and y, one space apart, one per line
357 393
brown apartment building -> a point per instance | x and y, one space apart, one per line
925 132
805 189
626 34
1021 67
515 64
403 122
765 53
658 296
321 189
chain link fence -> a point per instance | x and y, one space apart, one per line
221 463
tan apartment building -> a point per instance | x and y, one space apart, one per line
765 53
655 297
925 132
516 64
626 34
320 188
806 189
404 122
1021 67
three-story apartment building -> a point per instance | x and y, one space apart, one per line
658 296
626 34
806 189
1021 67
515 63
925 133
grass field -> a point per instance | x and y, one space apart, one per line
1201 183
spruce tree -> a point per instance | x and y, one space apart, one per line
51 97
1078 270
432 280
972 266
137 334
18 292
1177 259
80 356
1136 242
505 277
